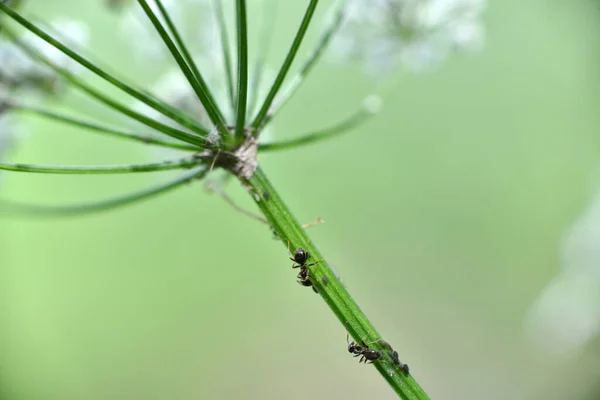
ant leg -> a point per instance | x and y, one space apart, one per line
290 256
376 341
366 346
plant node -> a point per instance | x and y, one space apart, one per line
240 161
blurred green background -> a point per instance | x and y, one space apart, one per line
444 217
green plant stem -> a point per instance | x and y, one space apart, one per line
285 67
106 100
352 122
266 32
196 82
225 49
335 22
146 139
159 106
180 43
333 292
168 165
19 209
242 82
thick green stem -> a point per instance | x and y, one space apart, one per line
329 286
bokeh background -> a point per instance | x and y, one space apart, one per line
445 218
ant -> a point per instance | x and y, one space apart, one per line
301 256
363 350
396 361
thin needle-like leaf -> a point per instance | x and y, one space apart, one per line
371 106
268 25
180 43
191 121
336 18
183 163
242 45
167 130
197 83
139 95
259 119
147 139
17 209
218 4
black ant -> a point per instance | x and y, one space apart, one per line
301 257
396 361
363 350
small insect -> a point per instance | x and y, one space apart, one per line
301 257
405 369
398 363
395 358
363 350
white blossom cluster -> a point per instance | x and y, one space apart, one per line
417 34
566 315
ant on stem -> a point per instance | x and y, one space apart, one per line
301 257
363 350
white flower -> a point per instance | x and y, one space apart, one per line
415 33
566 315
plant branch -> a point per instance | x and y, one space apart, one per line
369 108
287 63
267 27
139 95
328 285
336 19
168 165
147 139
180 43
18 209
196 82
242 87
218 4
80 83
